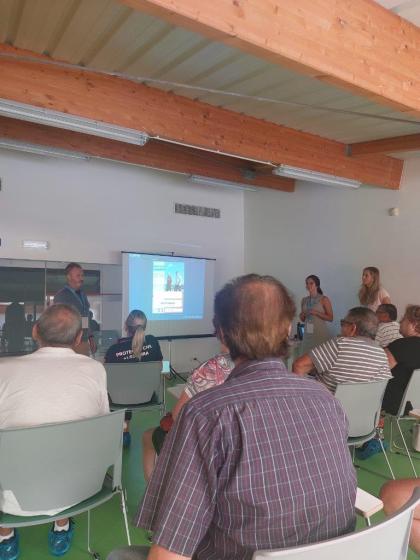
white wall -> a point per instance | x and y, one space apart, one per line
91 211
334 233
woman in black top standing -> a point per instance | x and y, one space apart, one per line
137 346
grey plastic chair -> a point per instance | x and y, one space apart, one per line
387 540
411 394
51 466
362 403
136 385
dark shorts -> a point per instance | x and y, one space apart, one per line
158 437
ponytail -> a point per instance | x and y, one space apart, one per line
138 341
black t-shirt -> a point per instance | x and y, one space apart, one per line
122 351
406 352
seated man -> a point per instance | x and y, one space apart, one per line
389 327
394 495
352 357
241 470
54 384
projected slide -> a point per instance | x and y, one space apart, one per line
168 287
175 292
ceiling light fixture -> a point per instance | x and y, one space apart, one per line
40 150
315 177
209 181
66 121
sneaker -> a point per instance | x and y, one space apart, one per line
126 439
59 542
9 548
370 448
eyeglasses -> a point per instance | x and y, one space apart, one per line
344 322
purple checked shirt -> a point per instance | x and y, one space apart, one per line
259 462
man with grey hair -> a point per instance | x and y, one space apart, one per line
350 358
54 384
73 294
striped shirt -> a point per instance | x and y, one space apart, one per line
387 333
258 462
349 360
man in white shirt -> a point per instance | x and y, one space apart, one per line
54 384
389 327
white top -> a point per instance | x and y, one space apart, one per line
382 294
387 333
50 385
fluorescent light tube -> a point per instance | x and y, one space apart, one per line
201 180
314 177
40 150
35 244
66 121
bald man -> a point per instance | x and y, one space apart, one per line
54 384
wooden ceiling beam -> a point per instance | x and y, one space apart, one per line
174 118
155 154
409 143
357 45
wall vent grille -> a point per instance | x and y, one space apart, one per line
192 210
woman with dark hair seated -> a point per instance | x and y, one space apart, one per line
137 346
403 357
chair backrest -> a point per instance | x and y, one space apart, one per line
134 383
387 540
362 404
412 393
55 466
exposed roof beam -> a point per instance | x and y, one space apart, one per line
408 143
155 154
178 119
358 45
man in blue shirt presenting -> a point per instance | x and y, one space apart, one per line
72 294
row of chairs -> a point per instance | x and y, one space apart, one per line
69 470
51 466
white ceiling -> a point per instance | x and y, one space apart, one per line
106 35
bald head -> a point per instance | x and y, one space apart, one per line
253 314
59 325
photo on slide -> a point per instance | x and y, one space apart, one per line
168 287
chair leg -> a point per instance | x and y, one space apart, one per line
124 508
94 554
367 519
386 458
406 447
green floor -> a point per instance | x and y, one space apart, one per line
107 522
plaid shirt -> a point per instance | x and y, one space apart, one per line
259 462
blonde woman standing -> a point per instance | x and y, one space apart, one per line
371 293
